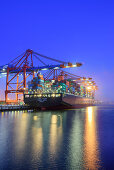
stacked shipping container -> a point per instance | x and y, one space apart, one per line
60 85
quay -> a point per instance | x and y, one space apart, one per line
14 107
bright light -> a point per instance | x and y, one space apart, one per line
35 117
45 69
89 88
3 73
54 119
74 65
90 112
53 95
56 68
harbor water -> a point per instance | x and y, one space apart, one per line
64 140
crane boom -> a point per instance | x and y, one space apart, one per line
3 69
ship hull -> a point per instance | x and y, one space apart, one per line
59 101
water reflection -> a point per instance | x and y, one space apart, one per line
4 131
2 114
55 138
76 141
37 137
49 140
91 152
37 142
20 133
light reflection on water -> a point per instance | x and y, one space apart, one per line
20 133
50 140
75 154
91 152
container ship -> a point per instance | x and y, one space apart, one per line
51 86
64 90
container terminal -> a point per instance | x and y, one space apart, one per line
44 85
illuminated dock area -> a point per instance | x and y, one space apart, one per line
14 107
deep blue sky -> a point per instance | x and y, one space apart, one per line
69 30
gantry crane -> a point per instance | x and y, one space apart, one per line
24 65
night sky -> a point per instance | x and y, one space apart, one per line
81 31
